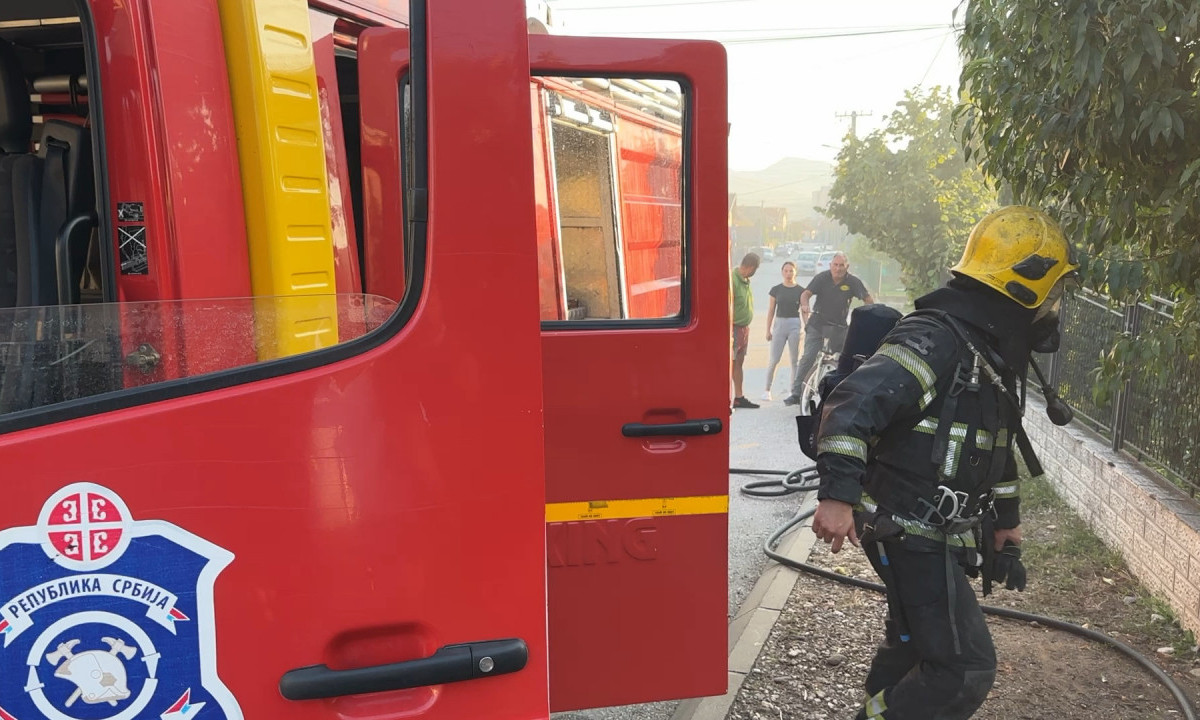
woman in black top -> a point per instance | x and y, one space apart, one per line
783 324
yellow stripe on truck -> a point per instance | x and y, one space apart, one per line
643 507
273 79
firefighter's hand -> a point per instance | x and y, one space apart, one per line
999 537
1008 568
834 523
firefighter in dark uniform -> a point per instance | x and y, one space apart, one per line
915 456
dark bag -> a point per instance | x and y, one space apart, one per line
869 325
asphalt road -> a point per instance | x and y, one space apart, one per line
758 439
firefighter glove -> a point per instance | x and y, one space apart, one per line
1008 568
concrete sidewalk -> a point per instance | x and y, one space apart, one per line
754 621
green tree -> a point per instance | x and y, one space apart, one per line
908 190
1089 108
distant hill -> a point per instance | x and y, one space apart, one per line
788 183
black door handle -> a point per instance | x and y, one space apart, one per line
711 426
452 663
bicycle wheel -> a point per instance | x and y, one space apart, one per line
809 394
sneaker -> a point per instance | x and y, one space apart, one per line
791 400
766 396
742 402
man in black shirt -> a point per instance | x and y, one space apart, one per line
833 288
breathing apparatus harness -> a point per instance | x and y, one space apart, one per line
952 508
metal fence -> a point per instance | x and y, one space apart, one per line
1156 416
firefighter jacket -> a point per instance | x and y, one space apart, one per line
924 425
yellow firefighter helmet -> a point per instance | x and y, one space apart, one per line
1018 251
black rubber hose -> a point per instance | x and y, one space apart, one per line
809 473
793 482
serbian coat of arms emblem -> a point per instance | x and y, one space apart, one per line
103 617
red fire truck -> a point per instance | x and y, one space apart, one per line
365 359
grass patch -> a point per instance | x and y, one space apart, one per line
1059 542
1166 630
1075 576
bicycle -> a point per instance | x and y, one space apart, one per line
827 362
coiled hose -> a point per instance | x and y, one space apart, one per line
805 479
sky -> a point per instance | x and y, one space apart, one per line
785 96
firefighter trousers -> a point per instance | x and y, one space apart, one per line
916 673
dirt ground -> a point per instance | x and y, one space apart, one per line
813 663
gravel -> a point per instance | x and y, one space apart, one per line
812 666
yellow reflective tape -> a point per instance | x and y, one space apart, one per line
1008 489
847 445
643 507
911 362
964 539
983 440
958 431
876 706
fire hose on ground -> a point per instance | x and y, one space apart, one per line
804 479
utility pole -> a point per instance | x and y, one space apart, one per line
853 115
762 219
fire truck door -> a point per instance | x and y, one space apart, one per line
637 394
355 532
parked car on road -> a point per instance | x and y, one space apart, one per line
806 263
824 259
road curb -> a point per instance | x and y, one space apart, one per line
750 627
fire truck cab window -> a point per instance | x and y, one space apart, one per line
609 163
97 298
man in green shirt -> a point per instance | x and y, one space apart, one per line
743 313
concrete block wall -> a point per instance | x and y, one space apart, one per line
1152 523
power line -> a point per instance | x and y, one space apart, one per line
936 55
790 38
769 38
884 49
554 5
843 29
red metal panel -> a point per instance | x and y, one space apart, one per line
371 517
648 623
649 168
341 207
549 270
383 192
133 142
168 121
168 126
133 146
